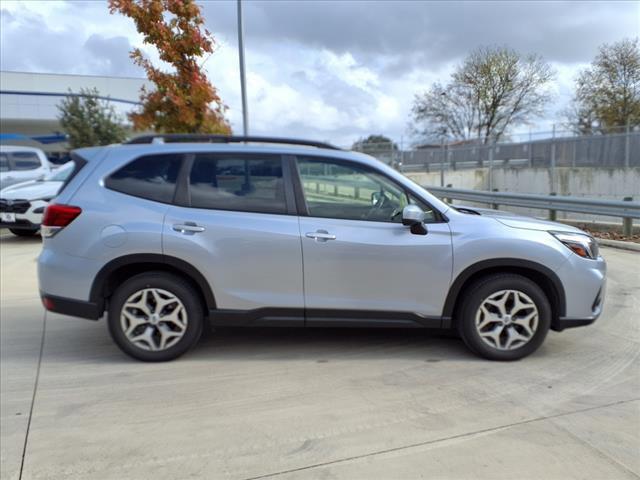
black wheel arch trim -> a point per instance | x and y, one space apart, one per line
492 264
96 294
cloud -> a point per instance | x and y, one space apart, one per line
29 43
325 69
432 33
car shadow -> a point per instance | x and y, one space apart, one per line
8 238
323 344
90 342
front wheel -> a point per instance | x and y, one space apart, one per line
155 317
504 317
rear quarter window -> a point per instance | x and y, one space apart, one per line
152 177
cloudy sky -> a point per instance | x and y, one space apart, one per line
330 70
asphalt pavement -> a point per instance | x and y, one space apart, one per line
301 404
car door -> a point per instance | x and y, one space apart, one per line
360 263
238 226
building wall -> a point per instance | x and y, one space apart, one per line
28 101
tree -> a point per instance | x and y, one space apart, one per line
183 100
89 120
494 89
607 95
374 143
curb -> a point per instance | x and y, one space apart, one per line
630 246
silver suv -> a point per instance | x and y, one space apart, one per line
167 232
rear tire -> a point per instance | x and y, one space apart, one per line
155 317
504 317
23 233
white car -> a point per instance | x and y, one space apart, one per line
20 164
22 204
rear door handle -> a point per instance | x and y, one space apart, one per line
320 235
188 228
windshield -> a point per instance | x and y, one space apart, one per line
60 174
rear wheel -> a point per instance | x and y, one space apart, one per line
155 317
23 233
504 317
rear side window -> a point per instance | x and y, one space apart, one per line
4 162
152 177
243 183
25 161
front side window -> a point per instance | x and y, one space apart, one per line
152 177
347 191
353 192
238 182
25 161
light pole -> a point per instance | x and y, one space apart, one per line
243 83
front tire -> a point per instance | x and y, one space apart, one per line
504 317
155 317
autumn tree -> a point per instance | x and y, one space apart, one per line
89 120
183 100
607 95
493 90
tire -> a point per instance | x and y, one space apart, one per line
23 233
146 332
514 321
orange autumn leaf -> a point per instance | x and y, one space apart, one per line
183 101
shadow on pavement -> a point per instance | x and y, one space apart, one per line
90 342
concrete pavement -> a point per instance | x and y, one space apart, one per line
315 404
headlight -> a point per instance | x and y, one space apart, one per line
580 244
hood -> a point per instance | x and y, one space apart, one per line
32 190
514 220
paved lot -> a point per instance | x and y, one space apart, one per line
294 404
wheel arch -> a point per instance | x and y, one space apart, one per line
121 268
543 276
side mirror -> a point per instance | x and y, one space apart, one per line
413 216
375 198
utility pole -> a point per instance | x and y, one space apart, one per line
243 83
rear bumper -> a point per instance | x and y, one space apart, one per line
71 307
20 224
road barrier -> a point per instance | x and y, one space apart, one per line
626 209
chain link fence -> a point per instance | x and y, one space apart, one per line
564 150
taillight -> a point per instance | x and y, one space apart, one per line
56 217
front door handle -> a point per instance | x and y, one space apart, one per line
320 235
188 228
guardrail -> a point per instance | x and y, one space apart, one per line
626 209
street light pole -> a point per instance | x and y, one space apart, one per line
243 83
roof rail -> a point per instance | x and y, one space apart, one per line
206 138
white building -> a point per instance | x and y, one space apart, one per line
28 103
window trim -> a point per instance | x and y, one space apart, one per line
184 199
301 201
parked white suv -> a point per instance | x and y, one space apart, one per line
22 204
20 164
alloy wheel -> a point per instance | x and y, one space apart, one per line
153 319
507 319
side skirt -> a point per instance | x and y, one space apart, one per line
312 317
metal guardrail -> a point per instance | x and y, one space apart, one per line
626 209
